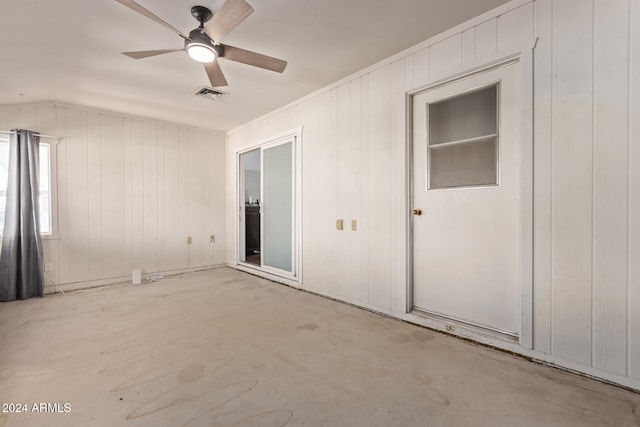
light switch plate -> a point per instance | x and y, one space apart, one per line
339 225
354 225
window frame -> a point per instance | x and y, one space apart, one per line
52 144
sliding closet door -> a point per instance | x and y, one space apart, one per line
278 206
269 208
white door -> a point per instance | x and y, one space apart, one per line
466 200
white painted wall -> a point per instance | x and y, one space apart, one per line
587 193
586 175
130 191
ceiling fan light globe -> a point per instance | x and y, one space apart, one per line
201 53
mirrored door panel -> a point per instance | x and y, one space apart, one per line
250 189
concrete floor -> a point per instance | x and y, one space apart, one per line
224 348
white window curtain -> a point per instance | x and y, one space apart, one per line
21 274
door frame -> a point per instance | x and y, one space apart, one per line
294 277
525 58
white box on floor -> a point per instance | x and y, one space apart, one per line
136 277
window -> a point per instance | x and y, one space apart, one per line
46 222
463 140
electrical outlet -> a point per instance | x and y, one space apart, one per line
48 266
354 225
212 238
339 224
188 240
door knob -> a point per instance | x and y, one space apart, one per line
417 212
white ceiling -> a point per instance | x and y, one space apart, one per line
69 51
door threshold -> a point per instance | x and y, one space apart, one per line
452 325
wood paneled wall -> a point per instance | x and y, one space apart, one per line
586 175
129 192
587 187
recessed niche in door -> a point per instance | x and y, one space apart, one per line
463 140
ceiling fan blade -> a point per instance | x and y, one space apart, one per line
252 58
141 10
216 77
230 14
147 53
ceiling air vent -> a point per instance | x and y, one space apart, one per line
211 93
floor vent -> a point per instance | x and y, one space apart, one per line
211 93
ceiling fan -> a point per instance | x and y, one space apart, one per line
203 43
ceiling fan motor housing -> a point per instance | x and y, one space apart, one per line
197 36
